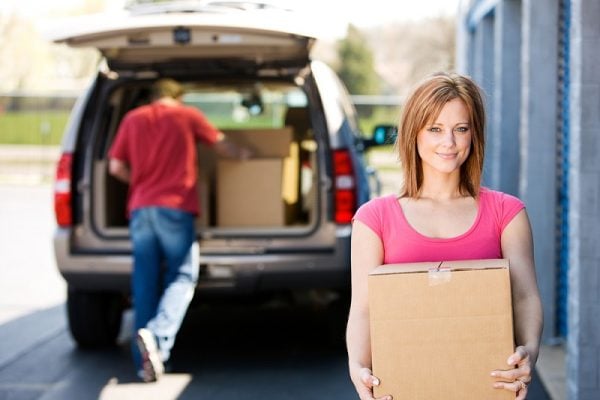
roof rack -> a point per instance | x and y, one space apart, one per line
139 7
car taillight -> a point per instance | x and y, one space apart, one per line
62 191
344 186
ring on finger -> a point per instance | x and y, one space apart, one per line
523 385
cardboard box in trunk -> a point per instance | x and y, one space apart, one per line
438 329
264 143
249 193
254 192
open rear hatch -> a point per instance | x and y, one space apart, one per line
132 39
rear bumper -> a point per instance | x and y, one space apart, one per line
236 274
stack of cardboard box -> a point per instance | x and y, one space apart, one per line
253 192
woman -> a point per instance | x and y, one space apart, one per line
443 213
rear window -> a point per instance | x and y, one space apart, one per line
241 106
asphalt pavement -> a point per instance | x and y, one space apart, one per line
227 352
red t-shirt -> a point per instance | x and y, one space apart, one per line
402 243
158 142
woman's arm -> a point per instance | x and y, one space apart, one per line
366 254
517 247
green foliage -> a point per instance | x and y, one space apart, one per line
356 68
37 128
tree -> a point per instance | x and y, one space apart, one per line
356 66
408 51
20 50
34 64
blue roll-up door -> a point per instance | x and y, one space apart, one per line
562 280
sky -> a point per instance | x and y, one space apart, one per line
333 16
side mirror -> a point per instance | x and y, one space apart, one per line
382 135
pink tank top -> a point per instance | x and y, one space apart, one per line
402 243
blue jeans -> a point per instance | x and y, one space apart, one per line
165 272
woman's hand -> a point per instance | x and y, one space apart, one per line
518 378
517 246
364 386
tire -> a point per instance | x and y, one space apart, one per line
338 318
94 317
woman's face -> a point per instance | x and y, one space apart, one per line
445 144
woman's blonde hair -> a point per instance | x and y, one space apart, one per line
422 108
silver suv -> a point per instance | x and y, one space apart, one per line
250 72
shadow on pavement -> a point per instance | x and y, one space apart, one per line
18 335
258 352
224 352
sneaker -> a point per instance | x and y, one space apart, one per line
152 366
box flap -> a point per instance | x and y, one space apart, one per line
387 269
428 266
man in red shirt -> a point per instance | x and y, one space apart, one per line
155 153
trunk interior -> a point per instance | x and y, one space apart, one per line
274 192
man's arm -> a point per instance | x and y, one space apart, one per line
119 170
227 148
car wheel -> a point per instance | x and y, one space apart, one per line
338 317
94 317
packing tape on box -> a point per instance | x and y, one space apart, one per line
439 276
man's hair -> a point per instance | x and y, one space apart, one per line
422 108
167 87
